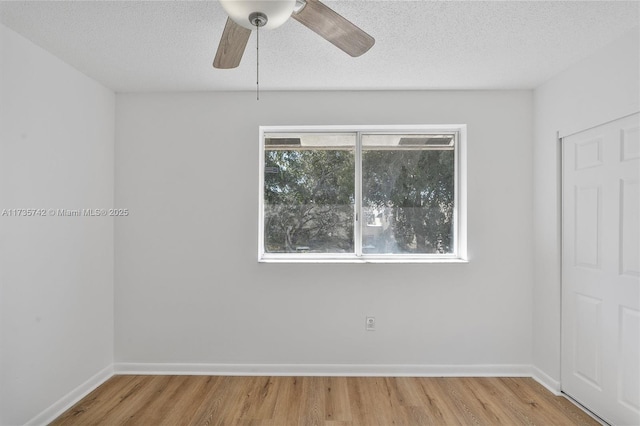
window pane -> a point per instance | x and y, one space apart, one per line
309 193
408 194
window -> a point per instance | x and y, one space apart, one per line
362 194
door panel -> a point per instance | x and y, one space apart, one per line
629 223
587 224
601 270
629 369
587 339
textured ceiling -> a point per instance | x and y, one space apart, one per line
133 46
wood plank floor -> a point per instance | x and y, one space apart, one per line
328 401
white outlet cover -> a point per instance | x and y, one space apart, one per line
370 323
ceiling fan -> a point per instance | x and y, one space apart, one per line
245 15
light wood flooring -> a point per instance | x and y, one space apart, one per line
328 401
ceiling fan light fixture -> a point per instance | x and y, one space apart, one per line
276 11
247 15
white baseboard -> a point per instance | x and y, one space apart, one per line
397 370
67 401
545 380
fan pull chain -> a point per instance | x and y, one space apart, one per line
258 19
257 62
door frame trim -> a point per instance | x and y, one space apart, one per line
562 136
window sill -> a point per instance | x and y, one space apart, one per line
360 260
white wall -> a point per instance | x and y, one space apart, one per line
188 285
598 89
56 273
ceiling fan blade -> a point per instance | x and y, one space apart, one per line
232 44
334 28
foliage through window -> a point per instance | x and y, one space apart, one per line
369 194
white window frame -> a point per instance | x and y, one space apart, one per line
460 196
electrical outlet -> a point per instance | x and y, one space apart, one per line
370 324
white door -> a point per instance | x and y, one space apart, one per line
601 270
